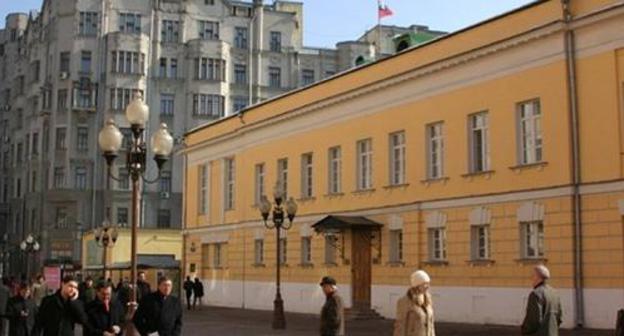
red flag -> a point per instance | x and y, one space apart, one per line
383 10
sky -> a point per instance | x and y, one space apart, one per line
329 21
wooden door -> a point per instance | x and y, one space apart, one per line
361 268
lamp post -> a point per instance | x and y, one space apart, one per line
105 237
110 141
277 222
29 246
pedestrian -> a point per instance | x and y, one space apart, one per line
414 312
87 292
188 290
5 293
60 311
543 311
332 313
21 311
143 286
198 292
159 312
104 313
39 289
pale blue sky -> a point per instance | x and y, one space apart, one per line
329 21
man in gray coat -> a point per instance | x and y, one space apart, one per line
543 312
332 314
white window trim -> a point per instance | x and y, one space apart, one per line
528 142
435 160
307 175
485 137
364 164
397 160
335 170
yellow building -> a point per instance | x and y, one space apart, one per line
159 253
480 154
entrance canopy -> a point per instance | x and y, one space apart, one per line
333 223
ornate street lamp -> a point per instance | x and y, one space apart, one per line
105 237
110 140
277 222
29 246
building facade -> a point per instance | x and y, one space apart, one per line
66 69
474 157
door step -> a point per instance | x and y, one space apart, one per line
362 314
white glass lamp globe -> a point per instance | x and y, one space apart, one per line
162 141
137 112
110 137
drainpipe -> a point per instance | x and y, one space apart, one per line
569 45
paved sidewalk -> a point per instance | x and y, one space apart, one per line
239 322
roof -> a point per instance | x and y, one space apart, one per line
345 222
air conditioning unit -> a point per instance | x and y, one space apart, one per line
164 194
64 75
5 107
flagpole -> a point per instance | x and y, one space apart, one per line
378 46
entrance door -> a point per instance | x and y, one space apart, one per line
361 268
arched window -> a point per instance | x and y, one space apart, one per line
402 46
360 60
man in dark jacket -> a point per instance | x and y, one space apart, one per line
87 291
60 311
105 314
198 292
143 286
332 314
188 290
159 312
543 312
21 311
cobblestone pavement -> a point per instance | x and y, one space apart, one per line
238 322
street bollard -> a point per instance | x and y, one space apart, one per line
619 325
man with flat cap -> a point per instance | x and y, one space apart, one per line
332 314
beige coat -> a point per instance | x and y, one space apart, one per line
413 320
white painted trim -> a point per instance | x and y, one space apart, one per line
530 212
436 219
480 216
395 222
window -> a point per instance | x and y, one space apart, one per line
217 257
210 69
122 217
61 102
64 62
124 178
435 151
307 77
27 143
88 24
479 142
170 31
532 239
85 62
397 158
18 191
166 104
306 175
61 135
365 164
283 253
330 249
306 250
127 62
126 137
121 97
35 144
530 132
229 172
208 105
203 189
259 183
396 246
163 67
259 251
209 2
130 23
335 170
208 30
82 138
275 77
173 68
84 97
276 41
437 244
33 182
59 177
282 176
35 69
164 218
240 37
61 218
164 183
480 235
19 153
239 103
80 176
240 74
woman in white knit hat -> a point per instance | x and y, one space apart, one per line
414 315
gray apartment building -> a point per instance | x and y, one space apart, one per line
73 64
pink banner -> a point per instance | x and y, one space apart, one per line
53 277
